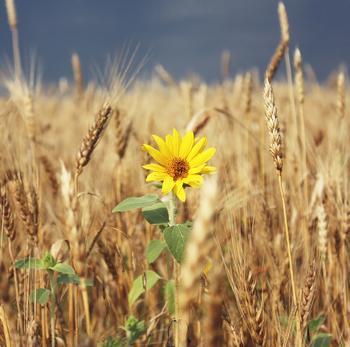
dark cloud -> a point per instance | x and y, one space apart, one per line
182 35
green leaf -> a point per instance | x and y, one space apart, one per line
176 237
41 296
169 291
322 340
154 249
156 213
63 268
113 342
141 284
48 260
136 202
315 324
74 279
134 329
30 263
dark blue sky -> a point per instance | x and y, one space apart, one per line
183 35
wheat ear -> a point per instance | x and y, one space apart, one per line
308 295
92 138
225 64
300 92
322 230
341 94
123 133
10 231
283 45
51 173
273 127
248 89
284 24
78 75
12 20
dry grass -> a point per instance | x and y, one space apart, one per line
258 268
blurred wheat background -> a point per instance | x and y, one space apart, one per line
269 254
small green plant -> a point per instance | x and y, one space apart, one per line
133 329
112 342
58 273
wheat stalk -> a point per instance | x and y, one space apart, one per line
34 334
5 327
276 151
198 247
214 303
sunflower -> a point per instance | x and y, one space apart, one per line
180 161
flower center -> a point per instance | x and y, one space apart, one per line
178 168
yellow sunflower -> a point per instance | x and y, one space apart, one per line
181 160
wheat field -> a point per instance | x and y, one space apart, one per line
265 262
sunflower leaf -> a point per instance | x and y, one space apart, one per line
176 236
156 213
154 250
136 202
141 284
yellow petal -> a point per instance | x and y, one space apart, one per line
168 184
208 170
156 176
180 191
163 148
176 142
194 180
154 167
155 154
186 144
196 169
203 157
169 142
197 148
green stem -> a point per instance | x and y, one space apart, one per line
172 209
52 305
172 221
